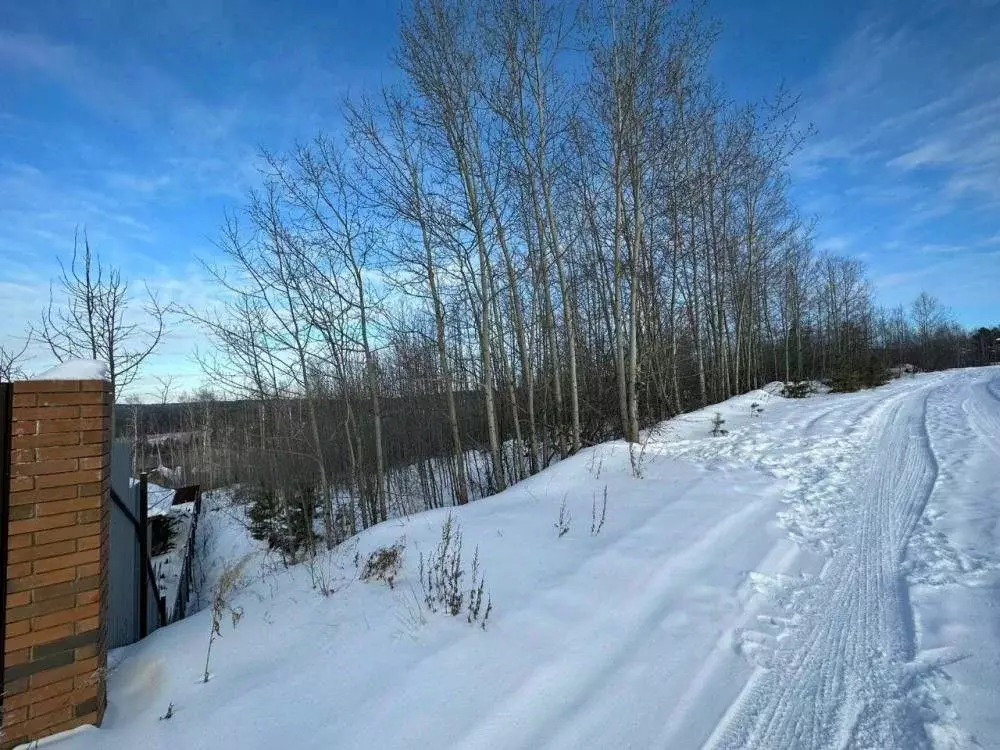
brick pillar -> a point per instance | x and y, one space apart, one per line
55 652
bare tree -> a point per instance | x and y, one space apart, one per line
11 359
165 385
338 260
928 315
555 230
394 159
934 332
439 55
91 315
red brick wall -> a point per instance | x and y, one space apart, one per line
55 652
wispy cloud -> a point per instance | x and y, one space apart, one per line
900 278
836 244
918 91
137 183
906 162
963 142
40 206
145 128
37 52
131 91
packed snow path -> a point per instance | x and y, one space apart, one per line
840 679
842 672
826 575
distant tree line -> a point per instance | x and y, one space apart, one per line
928 337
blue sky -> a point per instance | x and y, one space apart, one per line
144 127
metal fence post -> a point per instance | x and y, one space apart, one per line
143 533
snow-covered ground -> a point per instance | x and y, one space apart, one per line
825 575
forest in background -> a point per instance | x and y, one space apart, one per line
554 230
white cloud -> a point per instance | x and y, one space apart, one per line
836 244
915 91
136 183
906 161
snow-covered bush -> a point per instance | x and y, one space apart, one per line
800 389
384 563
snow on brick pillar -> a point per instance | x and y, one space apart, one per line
55 650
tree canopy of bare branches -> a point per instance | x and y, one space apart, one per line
92 315
555 229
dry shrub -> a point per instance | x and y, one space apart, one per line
384 563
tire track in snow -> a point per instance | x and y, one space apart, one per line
811 425
841 680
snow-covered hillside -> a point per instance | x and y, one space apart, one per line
825 575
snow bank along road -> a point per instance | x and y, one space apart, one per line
824 576
845 669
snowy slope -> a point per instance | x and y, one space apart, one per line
826 575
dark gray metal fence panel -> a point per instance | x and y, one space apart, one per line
152 606
186 581
124 560
155 608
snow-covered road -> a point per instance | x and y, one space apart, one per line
826 575
846 669
842 678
